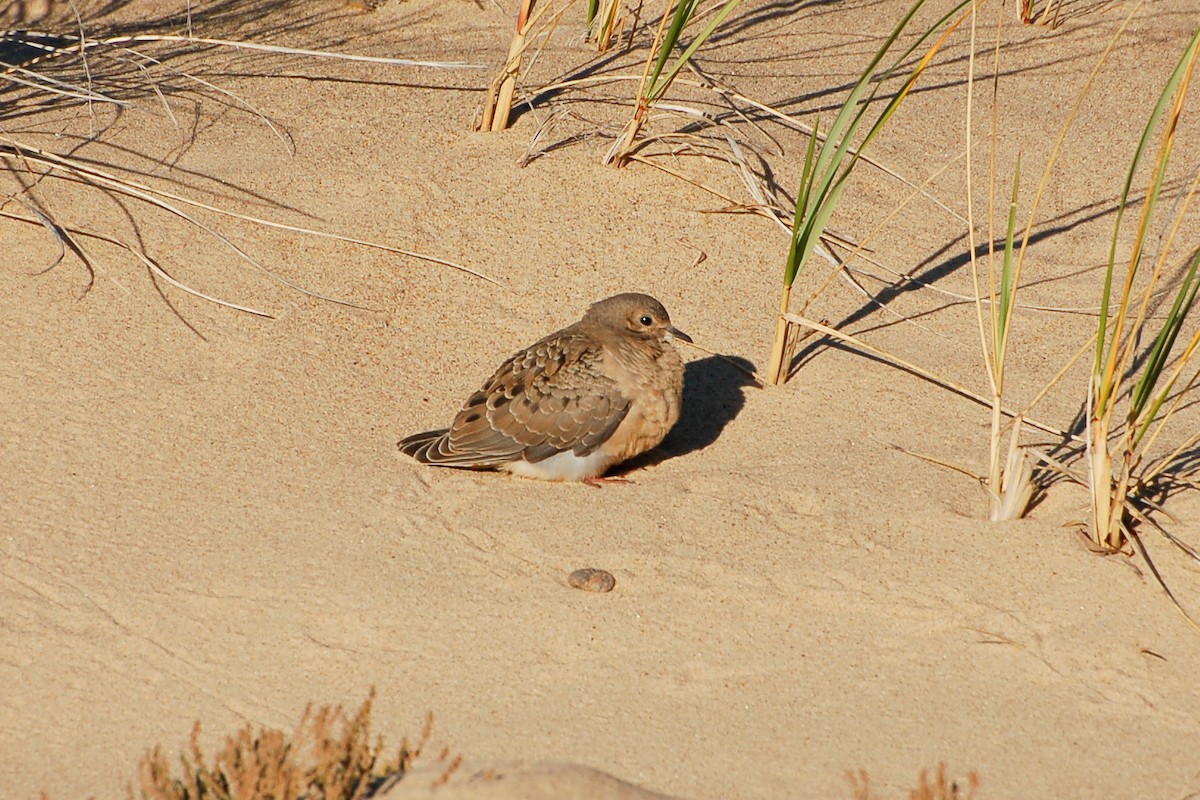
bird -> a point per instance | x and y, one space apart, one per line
573 404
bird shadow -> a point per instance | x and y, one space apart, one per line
713 394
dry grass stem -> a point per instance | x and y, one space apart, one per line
922 373
43 91
85 43
603 23
498 104
1001 290
65 235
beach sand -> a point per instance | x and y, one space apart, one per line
204 516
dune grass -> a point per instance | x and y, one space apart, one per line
1144 363
1136 389
603 22
828 167
1126 371
1049 15
497 108
660 71
1145 367
1009 478
330 756
1114 456
65 69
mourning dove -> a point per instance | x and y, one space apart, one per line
572 405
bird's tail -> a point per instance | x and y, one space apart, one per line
419 444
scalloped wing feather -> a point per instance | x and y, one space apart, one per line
546 399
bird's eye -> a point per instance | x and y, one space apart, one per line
646 320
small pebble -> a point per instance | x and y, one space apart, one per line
592 580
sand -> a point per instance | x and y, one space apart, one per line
203 514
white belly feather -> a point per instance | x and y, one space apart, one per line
565 466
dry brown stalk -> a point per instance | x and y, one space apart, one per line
498 106
329 757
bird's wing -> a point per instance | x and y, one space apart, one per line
551 397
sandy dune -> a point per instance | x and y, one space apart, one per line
203 514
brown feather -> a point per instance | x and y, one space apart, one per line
570 391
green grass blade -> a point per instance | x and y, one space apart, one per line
683 12
915 75
1160 353
912 79
1007 289
849 116
817 222
804 198
659 82
1104 387
846 124
802 208
822 183
832 158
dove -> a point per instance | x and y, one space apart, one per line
574 404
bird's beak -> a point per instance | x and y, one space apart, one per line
674 333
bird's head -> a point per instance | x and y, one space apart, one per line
636 315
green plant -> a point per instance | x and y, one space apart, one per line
602 22
1049 15
1131 400
658 75
827 168
1009 479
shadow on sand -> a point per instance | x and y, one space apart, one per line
713 394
